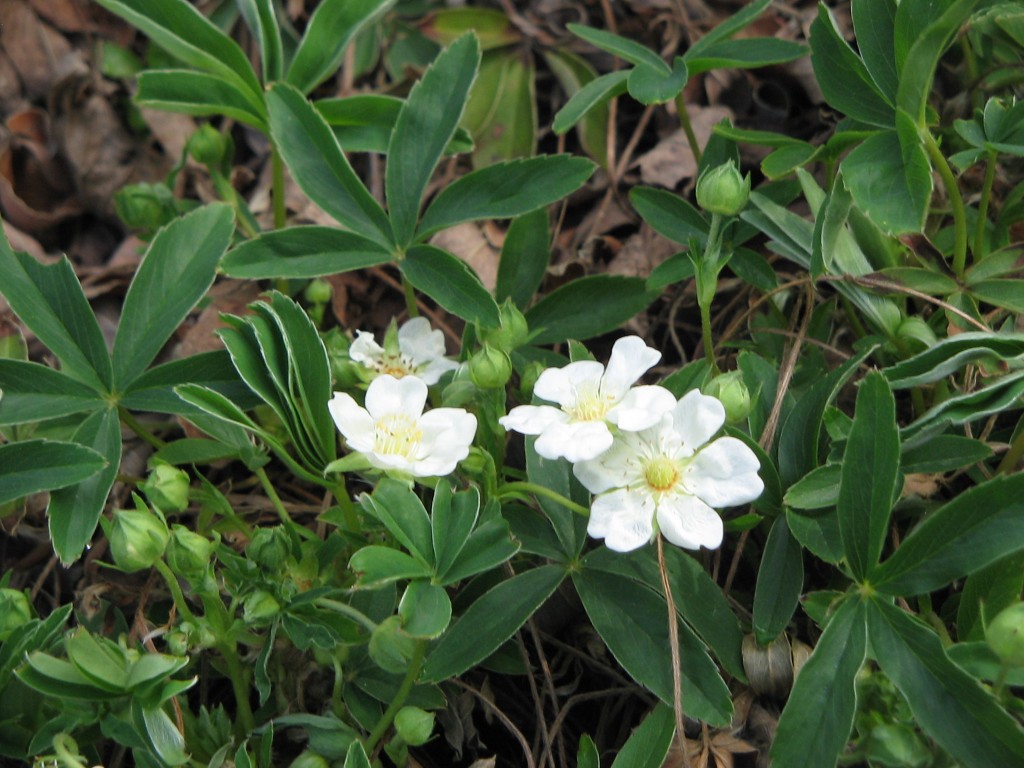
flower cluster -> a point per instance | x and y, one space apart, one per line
392 431
648 459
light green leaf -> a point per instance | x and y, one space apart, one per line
501 113
364 122
33 392
260 17
175 273
589 97
1001 394
868 483
197 93
332 27
648 745
31 466
451 283
588 307
425 125
949 704
375 566
425 609
574 73
452 519
1008 294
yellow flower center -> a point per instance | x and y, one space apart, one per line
591 406
396 434
661 473
395 365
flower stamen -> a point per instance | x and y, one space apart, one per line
661 473
397 434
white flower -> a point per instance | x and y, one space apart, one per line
393 432
419 352
671 473
590 397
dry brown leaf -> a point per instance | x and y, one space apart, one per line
229 296
170 129
671 161
472 243
921 485
641 253
37 51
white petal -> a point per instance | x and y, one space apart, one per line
560 385
688 522
419 342
435 369
364 349
724 474
532 419
386 394
623 519
630 359
641 408
612 469
352 421
574 440
697 418
448 428
392 461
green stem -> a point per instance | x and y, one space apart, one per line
509 489
239 686
684 121
986 196
66 750
400 696
139 429
272 495
277 191
347 610
956 202
706 270
410 298
176 594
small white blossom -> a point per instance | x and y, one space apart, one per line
672 474
590 397
394 433
419 352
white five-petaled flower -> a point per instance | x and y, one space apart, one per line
670 472
590 397
394 433
420 352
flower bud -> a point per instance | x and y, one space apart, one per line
723 190
269 548
490 368
15 610
530 375
166 488
177 643
477 462
513 331
210 147
733 394
1005 635
390 647
414 725
137 537
258 606
189 554
144 206
309 759
318 291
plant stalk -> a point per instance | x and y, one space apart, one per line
277 190
956 202
673 635
519 486
413 672
986 198
684 121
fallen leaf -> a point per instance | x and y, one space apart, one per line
471 243
37 51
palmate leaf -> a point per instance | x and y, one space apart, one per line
31 466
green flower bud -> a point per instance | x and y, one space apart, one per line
390 646
177 643
309 759
258 606
414 725
476 462
211 147
1005 635
530 375
723 190
269 548
189 554
138 537
15 610
144 206
318 291
490 368
733 394
166 488
513 331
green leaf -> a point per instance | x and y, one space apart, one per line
58 678
356 757
868 483
921 279
33 392
330 30
816 723
650 85
747 53
181 30
364 122
946 701
890 178
490 621
154 390
943 453
631 51
451 283
978 527
574 73
524 258
1001 394
452 519
403 514
425 609
302 252
262 22
588 307
31 466
669 215
780 579
784 160
375 566
556 475
949 355
844 80
491 26
590 97
1008 294
490 545
175 273
320 168
197 93
425 125
631 620
504 190
50 301
648 745
732 24
818 489
162 734
986 592
74 511
587 755
818 533
501 113
873 21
